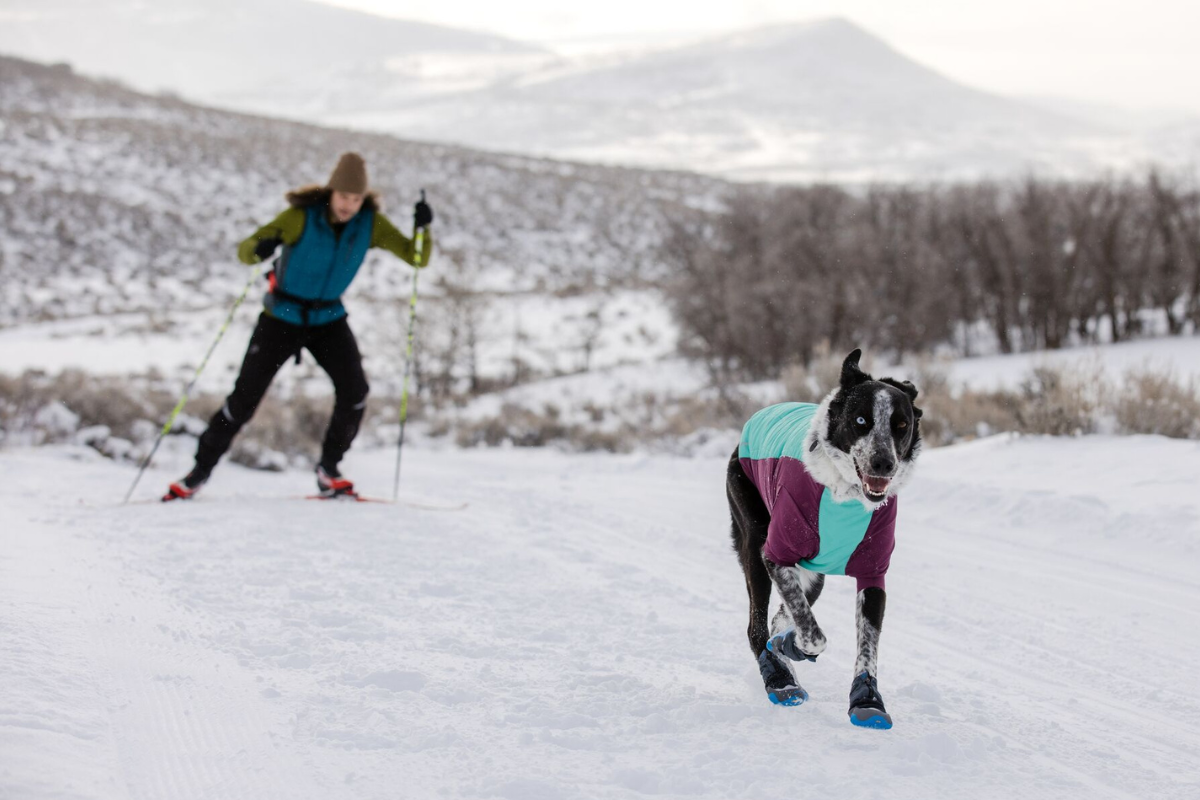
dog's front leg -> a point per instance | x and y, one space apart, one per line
869 621
808 636
866 704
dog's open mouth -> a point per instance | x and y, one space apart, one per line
873 486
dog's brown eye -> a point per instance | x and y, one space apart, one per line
901 424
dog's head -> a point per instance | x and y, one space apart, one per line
875 426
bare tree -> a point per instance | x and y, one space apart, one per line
783 270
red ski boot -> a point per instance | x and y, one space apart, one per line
186 488
331 483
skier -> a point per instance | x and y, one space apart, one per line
325 234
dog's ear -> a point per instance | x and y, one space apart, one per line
910 391
904 386
851 374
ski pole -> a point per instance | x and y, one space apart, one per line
418 246
183 400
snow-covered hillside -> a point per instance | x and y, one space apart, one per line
123 195
121 212
579 632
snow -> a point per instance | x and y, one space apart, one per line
579 631
547 333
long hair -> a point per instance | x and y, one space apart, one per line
316 195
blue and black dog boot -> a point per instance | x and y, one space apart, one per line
866 704
777 677
784 643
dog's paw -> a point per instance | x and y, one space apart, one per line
871 718
791 696
866 704
811 641
814 644
782 688
790 644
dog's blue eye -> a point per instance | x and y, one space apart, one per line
861 421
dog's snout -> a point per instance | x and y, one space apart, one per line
882 464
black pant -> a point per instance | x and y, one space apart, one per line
273 343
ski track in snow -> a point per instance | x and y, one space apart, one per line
579 631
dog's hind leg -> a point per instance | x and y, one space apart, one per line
808 641
777 676
750 522
758 586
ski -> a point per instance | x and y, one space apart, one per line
359 498
430 506
348 497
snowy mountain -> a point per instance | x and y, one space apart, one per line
224 49
579 632
821 100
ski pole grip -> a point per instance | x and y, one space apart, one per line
415 225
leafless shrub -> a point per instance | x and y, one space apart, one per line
655 421
119 417
1156 401
1059 402
951 416
115 403
98 410
522 427
1050 400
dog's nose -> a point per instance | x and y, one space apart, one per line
882 464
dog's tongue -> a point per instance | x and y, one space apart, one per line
876 486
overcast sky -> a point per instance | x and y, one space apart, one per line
1136 55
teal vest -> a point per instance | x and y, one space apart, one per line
772 454
320 266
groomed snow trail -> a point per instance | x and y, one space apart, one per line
579 631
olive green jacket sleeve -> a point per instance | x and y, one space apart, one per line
388 236
287 227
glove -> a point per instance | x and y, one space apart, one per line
266 248
422 214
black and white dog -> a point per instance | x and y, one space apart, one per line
812 492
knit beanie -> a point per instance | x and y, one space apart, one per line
350 175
